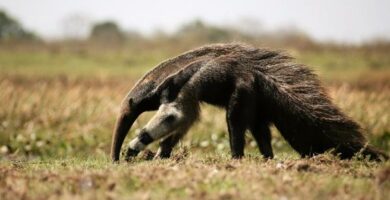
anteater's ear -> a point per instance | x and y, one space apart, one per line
171 86
131 102
165 96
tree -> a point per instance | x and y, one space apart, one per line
199 31
11 29
107 32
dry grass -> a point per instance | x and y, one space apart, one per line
196 176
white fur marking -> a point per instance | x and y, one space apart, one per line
136 144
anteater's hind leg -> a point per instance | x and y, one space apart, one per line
167 144
262 135
238 114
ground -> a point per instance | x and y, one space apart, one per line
58 108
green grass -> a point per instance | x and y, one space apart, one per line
345 66
76 64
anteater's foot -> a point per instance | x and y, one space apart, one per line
268 156
267 153
130 154
237 156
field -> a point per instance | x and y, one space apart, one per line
58 107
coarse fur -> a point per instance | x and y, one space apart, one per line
257 87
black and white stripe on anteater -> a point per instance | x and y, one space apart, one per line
138 144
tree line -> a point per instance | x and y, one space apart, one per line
110 34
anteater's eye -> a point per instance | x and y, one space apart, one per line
169 119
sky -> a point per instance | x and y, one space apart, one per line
348 21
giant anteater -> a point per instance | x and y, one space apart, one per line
257 87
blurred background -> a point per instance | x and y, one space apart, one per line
66 65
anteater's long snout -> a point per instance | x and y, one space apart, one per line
124 122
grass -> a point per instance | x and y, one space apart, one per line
196 176
57 111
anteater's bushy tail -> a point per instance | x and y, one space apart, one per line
304 114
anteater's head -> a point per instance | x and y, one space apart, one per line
138 101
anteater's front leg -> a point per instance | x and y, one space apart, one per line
138 144
167 144
142 140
